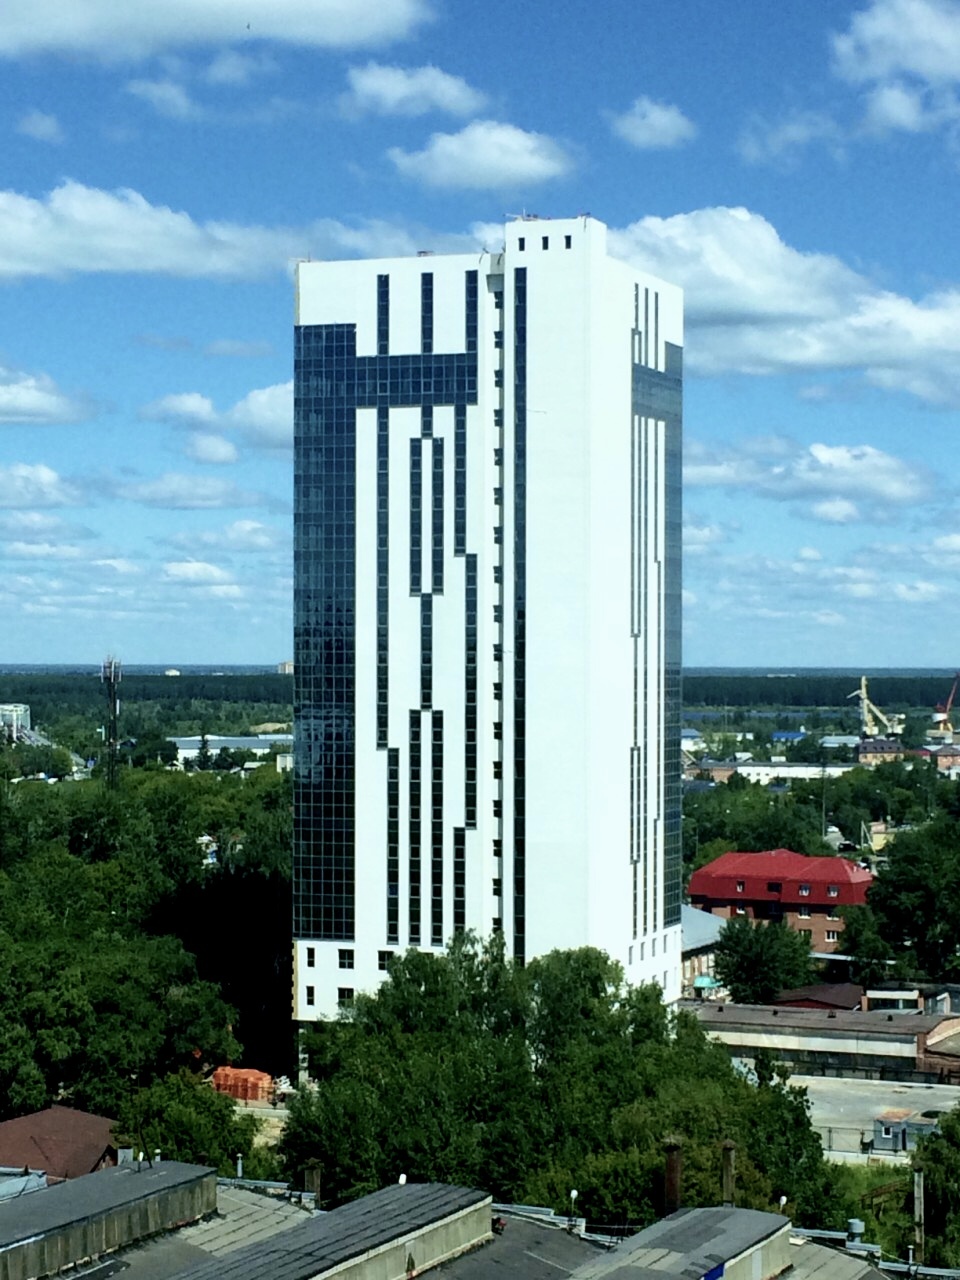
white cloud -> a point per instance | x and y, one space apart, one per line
34 398
240 535
264 416
836 511
401 91
35 485
890 38
894 106
41 551
41 126
763 141
756 305
809 553
917 592
484 154
840 483
166 97
188 406
126 568
204 446
230 67
241 350
653 125
194 571
179 492
84 229
700 538
105 30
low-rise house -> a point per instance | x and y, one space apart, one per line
699 934
59 1141
805 893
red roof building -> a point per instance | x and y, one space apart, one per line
61 1142
804 892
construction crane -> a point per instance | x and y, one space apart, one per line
943 726
871 717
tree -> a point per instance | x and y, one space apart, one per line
938 1155
184 1117
464 1068
757 961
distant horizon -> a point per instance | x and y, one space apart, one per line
270 668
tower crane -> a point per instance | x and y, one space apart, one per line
871 716
943 726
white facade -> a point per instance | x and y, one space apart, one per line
492 581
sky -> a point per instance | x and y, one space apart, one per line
794 166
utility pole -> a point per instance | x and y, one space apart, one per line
918 1222
110 679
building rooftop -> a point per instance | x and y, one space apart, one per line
838 995
824 1022
64 1143
54 1208
699 929
332 1239
777 875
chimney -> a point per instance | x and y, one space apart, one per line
671 1189
729 1172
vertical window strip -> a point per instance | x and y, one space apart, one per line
472 311
459 880
416 516
470 693
436 832
415 800
426 313
324 636
437 561
519 612
393 845
426 652
383 315
460 480
383 575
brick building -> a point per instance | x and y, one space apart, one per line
806 893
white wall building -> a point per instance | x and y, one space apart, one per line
487 608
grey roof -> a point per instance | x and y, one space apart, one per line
257 742
873 1022
55 1207
690 1243
332 1239
699 929
527 1250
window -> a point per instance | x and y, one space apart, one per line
546 242
345 958
497 924
497 887
804 913
653 947
344 995
740 911
311 957
804 891
739 886
833 935
805 933
832 913
832 891
383 959
498 339
887 1131
774 886
310 996
521 244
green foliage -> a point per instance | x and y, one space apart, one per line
530 1082
938 1155
757 961
916 898
186 1119
748 816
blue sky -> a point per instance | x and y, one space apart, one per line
793 166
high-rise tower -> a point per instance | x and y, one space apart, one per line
487 608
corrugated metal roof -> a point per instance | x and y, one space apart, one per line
699 928
334 1238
